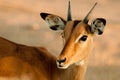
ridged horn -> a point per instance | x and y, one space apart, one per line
69 17
86 19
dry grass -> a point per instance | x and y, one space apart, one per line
20 22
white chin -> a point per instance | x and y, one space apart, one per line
62 67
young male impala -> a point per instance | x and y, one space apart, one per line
20 62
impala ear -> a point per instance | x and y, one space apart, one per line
54 22
98 25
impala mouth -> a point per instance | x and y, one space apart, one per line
61 65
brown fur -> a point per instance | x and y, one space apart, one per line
21 62
17 60
33 63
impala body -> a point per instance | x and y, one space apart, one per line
21 62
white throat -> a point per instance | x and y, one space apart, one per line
80 63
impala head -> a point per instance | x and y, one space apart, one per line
78 35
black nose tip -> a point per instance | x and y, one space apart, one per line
61 60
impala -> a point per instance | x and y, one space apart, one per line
21 62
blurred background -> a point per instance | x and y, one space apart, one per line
20 22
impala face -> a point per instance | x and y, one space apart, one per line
78 35
78 45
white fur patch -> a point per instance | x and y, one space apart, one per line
55 21
80 63
78 38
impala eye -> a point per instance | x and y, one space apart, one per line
83 38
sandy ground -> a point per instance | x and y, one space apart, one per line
20 22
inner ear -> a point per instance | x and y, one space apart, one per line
55 22
98 25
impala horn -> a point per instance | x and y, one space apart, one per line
86 19
69 17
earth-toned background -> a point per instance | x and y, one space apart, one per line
20 22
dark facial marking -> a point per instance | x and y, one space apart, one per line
76 22
54 27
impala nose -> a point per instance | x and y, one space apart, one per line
59 61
